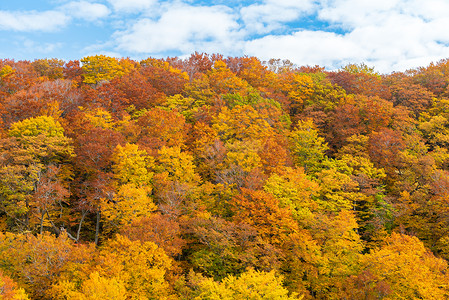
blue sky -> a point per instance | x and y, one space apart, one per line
392 35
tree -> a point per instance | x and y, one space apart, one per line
36 262
384 147
120 268
307 147
175 180
295 191
402 268
35 148
412 96
341 250
95 288
9 289
436 131
244 154
52 68
299 89
142 266
241 122
50 197
262 211
129 203
344 122
252 71
100 67
275 155
160 128
131 165
160 229
94 149
164 77
178 165
433 77
360 79
249 285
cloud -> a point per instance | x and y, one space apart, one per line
127 6
85 10
306 48
182 28
270 15
426 9
400 42
390 34
354 13
41 48
51 20
33 20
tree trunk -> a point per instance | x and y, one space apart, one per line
97 227
42 222
79 226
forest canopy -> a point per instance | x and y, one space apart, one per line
215 177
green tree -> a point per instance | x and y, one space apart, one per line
307 147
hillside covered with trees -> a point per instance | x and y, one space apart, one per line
222 178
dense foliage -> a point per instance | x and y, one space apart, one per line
222 178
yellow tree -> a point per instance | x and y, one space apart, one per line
241 122
218 82
341 249
175 180
178 165
244 154
132 201
401 269
298 88
119 269
252 285
143 267
101 67
35 148
129 203
295 191
132 165
97 287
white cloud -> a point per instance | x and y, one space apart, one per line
427 9
182 28
42 49
270 15
398 43
86 10
127 6
33 20
390 34
353 13
51 20
306 48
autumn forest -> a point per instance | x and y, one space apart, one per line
213 177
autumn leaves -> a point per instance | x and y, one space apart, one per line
221 178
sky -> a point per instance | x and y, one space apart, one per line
390 35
